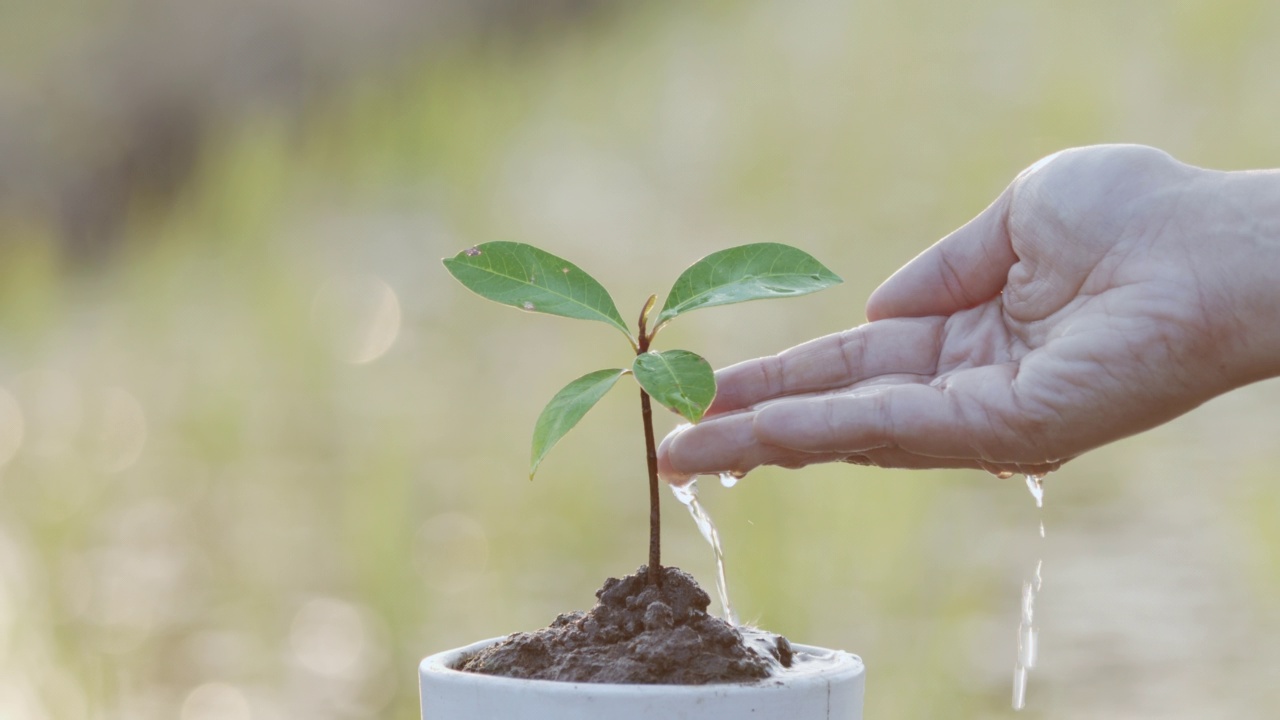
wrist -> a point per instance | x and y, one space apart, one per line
1239 234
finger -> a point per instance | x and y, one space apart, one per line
724 443
730 443
961 270
905 345
966 419
742 441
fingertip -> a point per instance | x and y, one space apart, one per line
666 466
881 303
713 446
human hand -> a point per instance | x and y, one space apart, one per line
1107 290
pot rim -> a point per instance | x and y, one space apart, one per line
841 666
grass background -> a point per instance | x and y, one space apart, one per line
264 455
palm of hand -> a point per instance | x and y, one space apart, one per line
1057 320
1039 384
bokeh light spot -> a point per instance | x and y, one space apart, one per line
328 637
359 315
52 410
216 701
118 431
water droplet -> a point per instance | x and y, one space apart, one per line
729 478
1004 474
472 251
526 305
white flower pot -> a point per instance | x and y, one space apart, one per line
830 687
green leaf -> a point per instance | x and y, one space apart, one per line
747 272
525 277
567 408
678 379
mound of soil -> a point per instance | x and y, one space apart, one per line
636 633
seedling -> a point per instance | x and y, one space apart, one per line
525 277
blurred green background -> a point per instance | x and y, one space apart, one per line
259 454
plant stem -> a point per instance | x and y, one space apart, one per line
654 572
655 515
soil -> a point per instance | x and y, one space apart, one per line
635 634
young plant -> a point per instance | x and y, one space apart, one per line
525 277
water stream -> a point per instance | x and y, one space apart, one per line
1028 633
688 495
803 661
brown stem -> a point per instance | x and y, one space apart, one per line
654 573
655 515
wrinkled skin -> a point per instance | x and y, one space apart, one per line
1107 290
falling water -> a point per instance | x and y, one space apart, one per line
1035 484
729 479
688 494
1028 633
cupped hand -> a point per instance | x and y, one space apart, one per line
1082 306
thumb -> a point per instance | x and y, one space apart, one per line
963 269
